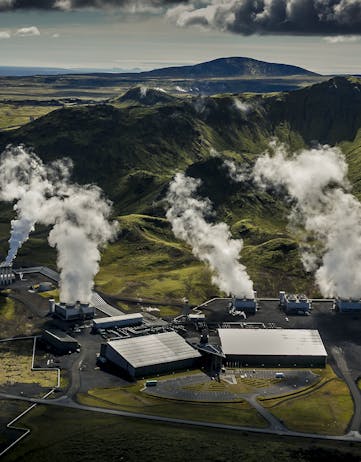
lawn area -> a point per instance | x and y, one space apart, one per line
59 435
14 115
15 360
325 408
133 400
7 308
14 318
50 294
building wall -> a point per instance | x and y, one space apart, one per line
275 361
155 369
61 346
149 370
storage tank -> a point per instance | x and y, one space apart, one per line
348 305
295 303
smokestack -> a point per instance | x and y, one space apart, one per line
211 243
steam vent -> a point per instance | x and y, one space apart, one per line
7 276
71 312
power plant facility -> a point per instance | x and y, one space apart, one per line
7 276
150 354
347 305
273 347
295 303
248 306
71 311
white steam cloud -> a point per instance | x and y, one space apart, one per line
79 216
242 106
211 243
316 179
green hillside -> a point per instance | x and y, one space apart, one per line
132 150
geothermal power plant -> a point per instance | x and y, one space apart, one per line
239 330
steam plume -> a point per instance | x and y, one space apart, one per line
24 179
81 227
316 180
79 216
211 243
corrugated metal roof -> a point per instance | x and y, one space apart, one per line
122 317
59 335
272 342
154 349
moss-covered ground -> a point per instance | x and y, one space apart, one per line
325 407
60 435
15 360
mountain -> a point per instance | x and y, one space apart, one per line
133 150
144 96
229 67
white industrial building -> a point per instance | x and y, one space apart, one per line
123 320
273 347
71 311
151 354
7 276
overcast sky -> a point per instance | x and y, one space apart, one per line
58 36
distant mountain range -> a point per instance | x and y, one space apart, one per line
222 67
229 67
19 71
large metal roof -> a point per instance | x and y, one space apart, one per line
154 349
121 317
271 342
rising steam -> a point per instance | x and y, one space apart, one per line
316 180
78 215
211 243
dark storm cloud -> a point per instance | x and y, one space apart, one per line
8 5
304 17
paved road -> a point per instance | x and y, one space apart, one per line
275 424
65 401
355 392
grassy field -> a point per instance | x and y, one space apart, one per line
132 399
14 318
15 359
7 308
15 115
78 436
8 411
325 407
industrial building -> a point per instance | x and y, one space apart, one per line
71 312
273 347
243 305
124 320
60 341
7 276
295 303
151 354
348 305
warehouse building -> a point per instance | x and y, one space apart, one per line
273 347
151 354
123 320
60 341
